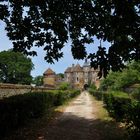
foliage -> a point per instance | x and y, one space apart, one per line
38 80
109 81
18 110
61 75
15 68
124 109
121 80
97 94
116 104
64 86
40 23
132 120
136 94
92 86
93 90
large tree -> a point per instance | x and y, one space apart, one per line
50 23
15 68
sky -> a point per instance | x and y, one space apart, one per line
40 65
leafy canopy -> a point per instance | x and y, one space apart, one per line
15 68
50 23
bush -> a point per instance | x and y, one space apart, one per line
17 110
92 86
132 120
97 94
64 86
126 110
136 94
93 90
116 104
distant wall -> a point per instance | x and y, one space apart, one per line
7 90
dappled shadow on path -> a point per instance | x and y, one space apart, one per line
72 127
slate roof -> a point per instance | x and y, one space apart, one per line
78 68
68 69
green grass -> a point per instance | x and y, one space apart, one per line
119 94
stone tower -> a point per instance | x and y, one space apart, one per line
49 79
86 70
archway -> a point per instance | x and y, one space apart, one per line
86 86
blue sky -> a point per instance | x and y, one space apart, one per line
40 65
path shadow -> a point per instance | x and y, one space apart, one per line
69 127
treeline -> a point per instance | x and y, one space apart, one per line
18 110
120 80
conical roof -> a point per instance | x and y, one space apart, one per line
49 71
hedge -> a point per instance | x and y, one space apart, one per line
116 105
17 110
132 119
97 94
124 109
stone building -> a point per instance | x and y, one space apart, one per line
77 76
81 77
49 79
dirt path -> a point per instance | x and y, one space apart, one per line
75 122
79 122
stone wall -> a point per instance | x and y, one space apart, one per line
49 80
7 90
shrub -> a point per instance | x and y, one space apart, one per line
132 120
136 94
116 104
124 109
92 86
64 86
17 110
97 94
93 90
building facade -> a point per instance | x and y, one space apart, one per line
77 76
80 77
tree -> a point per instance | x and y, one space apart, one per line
50 23
61 75
64 86
38 80
15 68
121 80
